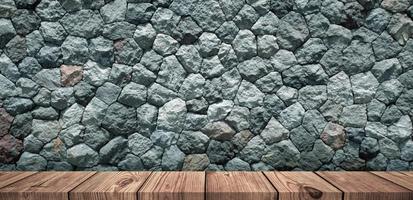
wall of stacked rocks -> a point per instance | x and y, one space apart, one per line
206 84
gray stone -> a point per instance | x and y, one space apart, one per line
146 117
274 132
379 163
292 31
354 116
45 131
239 118
218 131
254 69
8 87
95 137
311 97
82 156
31 162
288 94
195 121
16 49
95 74
318 24
246 17
8 68
131 162
165 21
266 24
385 47
45 113
245 45
339 89
172 159
387 69
42 98
404 103
62 98
189 57
249 95
314 122
196 162
237 164
120 74
359 57
209 15
145 35
197 105
283 60
50 10
407 151
193 142
334 136
395 6
192 87
298 76
16 105
53 32
389 148
188 31
292 116
127 51
212 67
261 167
50 56
376 130
72 135
159 95
391 115
114 11
270 82
171 74
54 151
172 115
254 150
165 45
282 155
273 104
120 120
208 44
163 138
397 165
133 95
311 52
29 67
28 87
369 148
32 144
324 152
389 91
241 139
267 46
94 112
227 31
401 130
400 27
227 56
364 87
141 75
308 160
139 13
75 50
219 111
139 144
407 79
220 152
7 8
22 125
375 110
83 23
152 158
101 51
114 150
337 37
377 20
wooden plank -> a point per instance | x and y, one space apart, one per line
364 185
44 186
110 186
7 178
404 179
174 186
239 186
302 185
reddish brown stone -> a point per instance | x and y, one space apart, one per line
5 122
10 148
334 135
71 75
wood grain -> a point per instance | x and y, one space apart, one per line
364 185
44 186
174 186
110 186
7 178
302 185
404 179
239 186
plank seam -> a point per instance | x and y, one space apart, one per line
342 192
205 185
391 181
68 193
278 192
36 172
143 184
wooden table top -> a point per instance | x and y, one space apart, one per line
271 185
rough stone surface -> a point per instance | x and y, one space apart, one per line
206 85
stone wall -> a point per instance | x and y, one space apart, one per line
206 84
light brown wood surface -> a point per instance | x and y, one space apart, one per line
302 185
7 178
174 186
44 186
404 179
366 186
110 186
239 186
